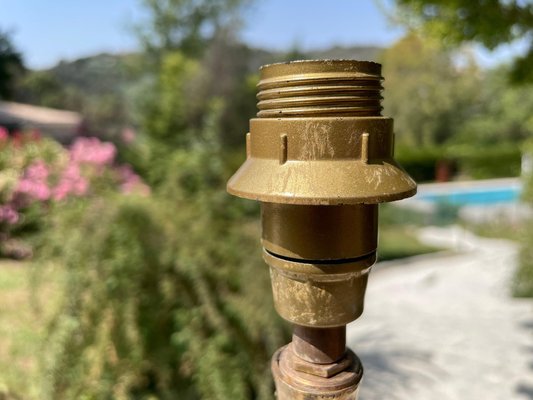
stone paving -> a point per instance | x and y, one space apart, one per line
445 327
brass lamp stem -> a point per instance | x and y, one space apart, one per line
320 160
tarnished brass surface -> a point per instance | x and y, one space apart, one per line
293 384
323 370
319 345
320 157
319 232
319 295
320 138
321 161
320 88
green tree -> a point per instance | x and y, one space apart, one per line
501 116
41 88
203 31
168 107
499 123
94 86
428 96
489 22
185 25
11 66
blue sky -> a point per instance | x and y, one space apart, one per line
48 31
317 24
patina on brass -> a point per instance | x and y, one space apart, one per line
319 345
320 160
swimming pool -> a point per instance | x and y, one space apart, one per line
475 195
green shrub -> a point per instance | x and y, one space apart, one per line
523 279
38 174
478 162
420 163
488 162
164 296
161 298
392 215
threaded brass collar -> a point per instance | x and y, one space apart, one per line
320 88
320 139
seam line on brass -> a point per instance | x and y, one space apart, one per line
323 262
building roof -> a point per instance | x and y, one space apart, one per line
35 115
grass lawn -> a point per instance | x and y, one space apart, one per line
22 323
400 241
498 229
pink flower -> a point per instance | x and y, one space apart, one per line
71 183
34 190
9 214
18 139
131 182
36 135
92 151
4 134
128 135
38 171
34 183
127 174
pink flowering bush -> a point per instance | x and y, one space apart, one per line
71 183
37 174
33 184
4 134
92 151
9 214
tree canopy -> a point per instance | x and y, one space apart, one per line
11 65
436 108
184 24
488 22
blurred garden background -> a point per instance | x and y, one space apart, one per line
127 272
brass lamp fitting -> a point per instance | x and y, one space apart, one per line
320 160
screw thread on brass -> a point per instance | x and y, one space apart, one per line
311 89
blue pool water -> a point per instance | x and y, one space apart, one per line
474 196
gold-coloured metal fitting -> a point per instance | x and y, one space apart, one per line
320 157
320 89
320 232
319 138
319 346
294 384
319 294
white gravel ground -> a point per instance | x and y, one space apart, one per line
445 327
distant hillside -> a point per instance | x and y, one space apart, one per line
98 74
108 73
100 87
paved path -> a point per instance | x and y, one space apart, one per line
445 327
